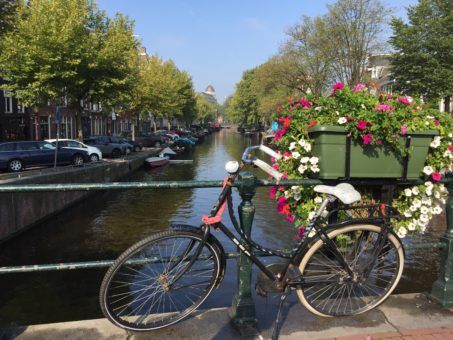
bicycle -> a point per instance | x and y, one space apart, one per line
337 269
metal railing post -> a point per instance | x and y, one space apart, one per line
442 290
243 307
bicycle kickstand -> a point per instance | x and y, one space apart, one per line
276 330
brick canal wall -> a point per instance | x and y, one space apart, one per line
19 211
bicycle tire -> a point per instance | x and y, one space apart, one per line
340 295
142 273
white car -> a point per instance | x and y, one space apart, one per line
94 153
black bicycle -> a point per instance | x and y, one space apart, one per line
343 268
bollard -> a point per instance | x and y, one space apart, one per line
243 308
442 290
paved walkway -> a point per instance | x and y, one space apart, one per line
409 316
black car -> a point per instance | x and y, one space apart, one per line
16 156
151 140
137 146
108 147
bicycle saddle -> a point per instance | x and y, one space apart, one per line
344 192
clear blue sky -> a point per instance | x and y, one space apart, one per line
216 41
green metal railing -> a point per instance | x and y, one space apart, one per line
243 307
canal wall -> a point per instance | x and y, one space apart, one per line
19 211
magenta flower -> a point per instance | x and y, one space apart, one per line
338 86
285 175
281 200
272 191
436 176
275 166
301 232
304 102
367 139
281 188
361 125
290 218
379 142
403 129
359 87
404 100
436 122
384 107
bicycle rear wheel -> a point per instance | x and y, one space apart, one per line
334 292
151 286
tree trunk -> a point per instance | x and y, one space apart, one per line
447 104
78 118
133 129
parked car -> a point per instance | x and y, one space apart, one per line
16 156
107 146
121 140
137 146
151 140
94 153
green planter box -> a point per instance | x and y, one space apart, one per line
329 145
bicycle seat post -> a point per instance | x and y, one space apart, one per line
243 307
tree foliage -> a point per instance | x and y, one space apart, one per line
70 49
8 12
423 62
205 110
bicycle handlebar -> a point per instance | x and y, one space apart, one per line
248 159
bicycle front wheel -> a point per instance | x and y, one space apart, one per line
333 292
151 284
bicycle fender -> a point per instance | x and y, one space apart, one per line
213 241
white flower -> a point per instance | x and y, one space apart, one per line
318 199
427 201
297 197
415 190
442 188
314 168
337 113
302 168
296 189
426 123
363 106
307 147
417 203
448 154
437 194
424 218
428 170
437 210
304 160
314 160
413 208
287 193
292 146
411 226
450 135
408 192
402 232
422 229
408 213
430 117
301 142
429 191
311 215
435 143
422 223
424 210
342 120
318 108
428 184
295 154
442 200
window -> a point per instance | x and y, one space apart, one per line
7 147
44 126
20 107
8 101
74 144
27 146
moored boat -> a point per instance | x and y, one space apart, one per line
154 162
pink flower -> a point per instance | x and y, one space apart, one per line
301 232
281 188
290 218
450 148
436 122
436 176
403 129
367 139
359 87
338 86
404 100
281 200
304 102
389 96
287 155
275 166
361 125
285 175
272 191
379 142
383 107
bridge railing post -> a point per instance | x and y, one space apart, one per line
243 307
442 290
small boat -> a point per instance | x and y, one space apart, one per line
167 152
154 162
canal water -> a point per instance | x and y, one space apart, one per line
104 225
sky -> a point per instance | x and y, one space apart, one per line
216 41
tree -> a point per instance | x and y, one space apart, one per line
69 49
244 105
423 62
307 56
354 28
8 12
205 110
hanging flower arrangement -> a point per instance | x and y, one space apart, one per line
372 120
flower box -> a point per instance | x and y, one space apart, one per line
330 145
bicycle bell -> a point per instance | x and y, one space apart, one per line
232 167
